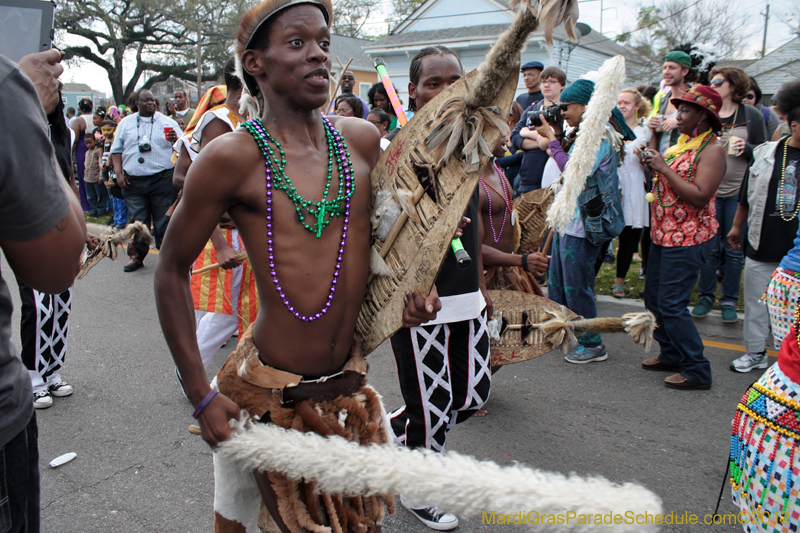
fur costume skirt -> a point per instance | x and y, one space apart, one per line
342 404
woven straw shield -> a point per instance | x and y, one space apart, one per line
518 340
414 251
531 208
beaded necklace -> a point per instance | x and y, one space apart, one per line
346 182
692 168
504 196
783 175
276 166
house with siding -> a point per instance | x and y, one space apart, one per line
774 69
470 27
345 48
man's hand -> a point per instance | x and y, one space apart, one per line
735 237
461 225
172 136
214 419
489 305
122 181
669 124
545 130
538 263
91 241
418 309
226 257
43 69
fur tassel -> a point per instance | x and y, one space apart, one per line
454 483
552 13
109 240
592 129
562 333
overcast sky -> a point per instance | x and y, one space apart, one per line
618 16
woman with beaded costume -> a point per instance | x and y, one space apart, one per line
682 222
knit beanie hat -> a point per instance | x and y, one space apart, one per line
681 58
577 92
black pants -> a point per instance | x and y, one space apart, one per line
19 482
628 244
445 378
44 327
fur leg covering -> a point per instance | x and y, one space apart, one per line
593 123
135 234
453 482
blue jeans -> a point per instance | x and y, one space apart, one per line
571 279
671 273
734 259
149 198
120 212
97 196
19 482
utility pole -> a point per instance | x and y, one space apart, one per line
764 41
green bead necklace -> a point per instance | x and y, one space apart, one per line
321 213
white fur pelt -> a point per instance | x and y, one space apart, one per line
595 117
454 483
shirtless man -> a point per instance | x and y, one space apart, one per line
307 319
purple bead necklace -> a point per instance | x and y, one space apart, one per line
504 196
255 129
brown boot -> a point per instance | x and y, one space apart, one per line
135 263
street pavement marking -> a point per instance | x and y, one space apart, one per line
735 347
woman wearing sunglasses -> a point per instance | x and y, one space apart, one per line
753 98
742 130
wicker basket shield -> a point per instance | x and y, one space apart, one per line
531 211
519 340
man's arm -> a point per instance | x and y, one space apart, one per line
205 199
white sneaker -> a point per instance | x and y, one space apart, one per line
750 361
42 399
60 388
431 517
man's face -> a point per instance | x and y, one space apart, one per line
180 100
348 82
673 74
437 73
531 78
295 64
146 103
573 113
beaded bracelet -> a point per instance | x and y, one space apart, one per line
525 262
202 406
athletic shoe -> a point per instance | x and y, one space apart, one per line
609 257
641 273
60 388
587 355
180 382
702 308
618 291
750 361
431 517
729 314
42 399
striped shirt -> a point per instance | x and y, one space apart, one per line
134 130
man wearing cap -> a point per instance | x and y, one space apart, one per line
677 68
307 177
348 82
530 75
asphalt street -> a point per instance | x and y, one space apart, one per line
139 470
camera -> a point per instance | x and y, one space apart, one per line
144 144
551 113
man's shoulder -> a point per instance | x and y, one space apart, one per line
361 134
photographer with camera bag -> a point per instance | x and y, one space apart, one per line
599 213
142 153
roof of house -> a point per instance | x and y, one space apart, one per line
346 47
741 63
777 67
78 88
594 40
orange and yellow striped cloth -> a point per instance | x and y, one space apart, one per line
211 290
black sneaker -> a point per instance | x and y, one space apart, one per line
431 517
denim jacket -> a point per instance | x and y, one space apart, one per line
600 204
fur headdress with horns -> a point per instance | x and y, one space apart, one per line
252 100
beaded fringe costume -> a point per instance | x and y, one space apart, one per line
358 417
782 295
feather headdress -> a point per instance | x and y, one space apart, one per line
552 13
252 101
592 129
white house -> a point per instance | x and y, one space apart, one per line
469 28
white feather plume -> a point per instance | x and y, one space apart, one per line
595 117
454 483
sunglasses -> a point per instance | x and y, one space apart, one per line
717 82
750 96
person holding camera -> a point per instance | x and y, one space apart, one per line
524 136
600 218
142 157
